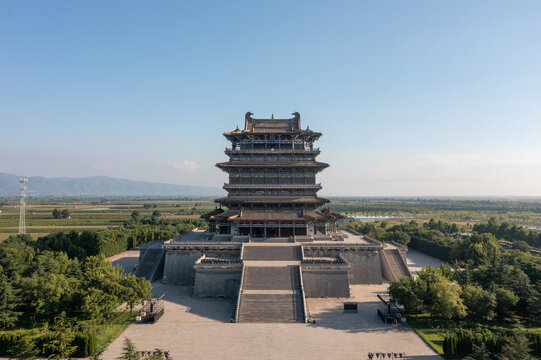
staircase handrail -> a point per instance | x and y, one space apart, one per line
304 307
237 312
241 255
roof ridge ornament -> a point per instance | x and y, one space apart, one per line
247 119
297 118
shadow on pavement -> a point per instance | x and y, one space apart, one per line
127 260
218 309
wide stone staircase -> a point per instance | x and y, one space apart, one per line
271 289
151 263
271 253
396 266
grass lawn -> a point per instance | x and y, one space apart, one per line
111 329
431 331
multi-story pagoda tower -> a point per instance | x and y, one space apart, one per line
272 189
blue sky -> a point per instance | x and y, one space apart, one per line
413 97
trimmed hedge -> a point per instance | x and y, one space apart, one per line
459 343
111 241
86 342
432 248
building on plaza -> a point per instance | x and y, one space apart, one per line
272 242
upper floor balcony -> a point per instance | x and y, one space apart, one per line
273 186
272 150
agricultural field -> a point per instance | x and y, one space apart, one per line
91 214
522 211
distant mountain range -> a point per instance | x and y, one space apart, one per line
98 186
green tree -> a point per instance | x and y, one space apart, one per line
403 291
505 301
481 303
516 347
137 290
16 255
479 353
60 346
9 301
135 215
129 351
439 295
399 236
52 293
156 213
56 214
97 303
447 302
24 348
521 245
534 302
483 249
65 214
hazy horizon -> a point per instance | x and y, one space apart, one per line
415 98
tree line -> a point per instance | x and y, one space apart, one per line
112 241
485 284
54 291
511 233
49 296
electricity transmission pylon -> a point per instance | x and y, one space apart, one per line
22 227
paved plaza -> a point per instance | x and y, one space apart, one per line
417 260
195 328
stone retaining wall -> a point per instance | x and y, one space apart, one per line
365 266
325 281
217 282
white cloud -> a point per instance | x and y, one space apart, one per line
187 166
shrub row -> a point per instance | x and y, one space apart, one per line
110 241
460 343
85 343
432 248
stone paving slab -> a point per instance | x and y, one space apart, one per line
199 329
194 328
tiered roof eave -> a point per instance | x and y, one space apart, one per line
261 215
306 132
262 199
272 164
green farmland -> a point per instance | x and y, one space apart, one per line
91 214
